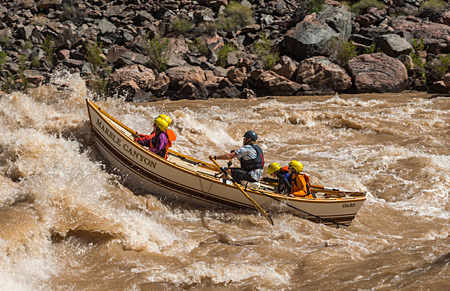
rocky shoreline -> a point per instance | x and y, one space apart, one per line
197 49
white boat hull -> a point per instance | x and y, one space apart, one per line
189 180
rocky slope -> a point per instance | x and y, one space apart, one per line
196 49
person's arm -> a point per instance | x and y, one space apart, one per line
143 141
227 156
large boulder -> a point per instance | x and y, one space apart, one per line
286 67
270 83
377 73
434 35
191 91
179 76
394 45
141 75
237 76
314 36
322 74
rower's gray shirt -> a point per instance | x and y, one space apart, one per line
247 152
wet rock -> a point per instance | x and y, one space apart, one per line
377 73
191 91
127 90
270 83
160 86
323 75
247 94
34 77
227 92
286 67
142 76
438 87
185 74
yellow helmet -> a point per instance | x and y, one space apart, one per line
166 118
273 168
161 124
296 165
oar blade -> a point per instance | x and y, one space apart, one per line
259 208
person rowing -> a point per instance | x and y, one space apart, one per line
251 157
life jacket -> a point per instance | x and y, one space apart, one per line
308 185
171 136
296 188
253 164
164 151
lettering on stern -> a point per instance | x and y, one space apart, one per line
109 133
126 147
346 205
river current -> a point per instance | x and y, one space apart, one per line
67 223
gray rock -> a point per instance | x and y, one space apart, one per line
104 26
434 35
394 45
314 36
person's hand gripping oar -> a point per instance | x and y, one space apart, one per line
267 216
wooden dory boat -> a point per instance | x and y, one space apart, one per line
190 180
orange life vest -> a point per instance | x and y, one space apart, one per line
171 136
300 186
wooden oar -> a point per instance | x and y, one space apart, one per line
333 190
267 216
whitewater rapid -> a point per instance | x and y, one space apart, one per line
67 223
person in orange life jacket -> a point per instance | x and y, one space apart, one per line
251 158
300 182
282 175
170 134
157 141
